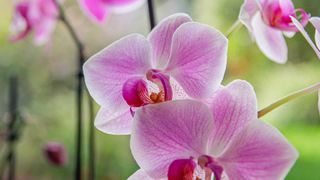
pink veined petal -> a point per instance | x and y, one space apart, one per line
140 175
270 41
96 9
248 9
233 107
106 72
198 59
259 151
117 122
305 35
169 131
161 38
315 21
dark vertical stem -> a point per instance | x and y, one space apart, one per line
92 145
79 95
151 12
13 110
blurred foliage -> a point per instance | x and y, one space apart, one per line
46 76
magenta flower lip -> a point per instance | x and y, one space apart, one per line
179 59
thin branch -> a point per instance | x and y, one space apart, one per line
273 106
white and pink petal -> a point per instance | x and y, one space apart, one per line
233 107
270 41
165 132
259 151
106 72
198 59
161 38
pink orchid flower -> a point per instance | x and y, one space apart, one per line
39 16
55 153
186 139
99 9
178 59
267 22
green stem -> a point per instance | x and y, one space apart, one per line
308 90
235 26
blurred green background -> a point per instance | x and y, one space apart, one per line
47 86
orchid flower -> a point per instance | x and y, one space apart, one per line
178 59
97 10
39 16
55 153
267 22
186 139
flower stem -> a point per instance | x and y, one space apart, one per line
79 97
308 90
152 18
235 26
13 109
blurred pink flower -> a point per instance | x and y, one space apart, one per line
56 153
188 139
99 9
38 16
267 22
178 59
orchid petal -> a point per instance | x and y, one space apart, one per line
305 35
198 59
259 151
140 175
169 131
315 21
20 26
233 107
107 71
118 122
161 37
287 6
43 31
270 41
248 9
96 9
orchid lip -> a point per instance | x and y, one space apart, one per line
275 17
188 169
135 90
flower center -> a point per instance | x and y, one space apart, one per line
156 88
188 169
278 17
